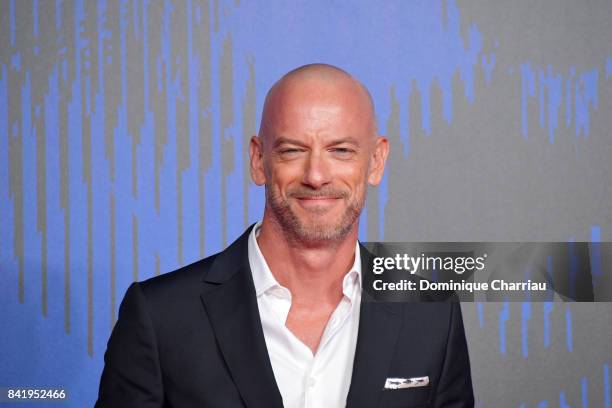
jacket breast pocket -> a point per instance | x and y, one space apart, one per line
417 397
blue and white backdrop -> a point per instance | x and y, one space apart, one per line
123 135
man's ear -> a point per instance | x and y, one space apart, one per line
257 167
377 163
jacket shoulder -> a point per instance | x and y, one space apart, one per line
178 282
179 285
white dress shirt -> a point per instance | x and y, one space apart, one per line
305 380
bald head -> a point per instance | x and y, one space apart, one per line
326 74
328 84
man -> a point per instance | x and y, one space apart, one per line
278 319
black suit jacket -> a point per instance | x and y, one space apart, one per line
193 338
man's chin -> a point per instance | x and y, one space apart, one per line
318 222
321 231
318 236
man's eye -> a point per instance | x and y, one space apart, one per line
343 151
289 153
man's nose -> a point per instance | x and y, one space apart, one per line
317 171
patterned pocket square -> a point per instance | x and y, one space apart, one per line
399 383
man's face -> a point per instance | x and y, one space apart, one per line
317 157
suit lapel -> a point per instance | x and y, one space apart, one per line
231 305
379 326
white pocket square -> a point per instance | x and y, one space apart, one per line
399 383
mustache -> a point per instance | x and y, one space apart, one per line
329 192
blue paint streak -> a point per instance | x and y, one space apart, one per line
552 88
191 209
542 84
488 64
584 392
555 99
16 61
568 329
55 224
548 308
525 316
35 18
6 250
77 190
480 310
145 55
12 21
542 404
467 71
135 20
527 90
549 276
103 34
123 51
58 15
168 202
504 315
585 98
562 402
568 96
31 237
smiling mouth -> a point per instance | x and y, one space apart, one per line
317 198
317 202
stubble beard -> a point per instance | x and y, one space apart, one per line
311 232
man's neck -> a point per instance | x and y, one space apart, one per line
313 273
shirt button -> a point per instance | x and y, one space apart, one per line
311 382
